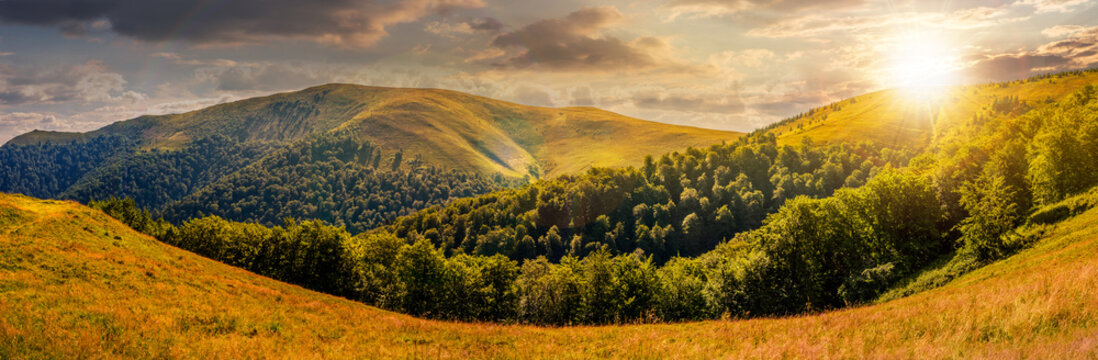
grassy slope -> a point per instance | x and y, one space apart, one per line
891 117
447 128
77 284
41 136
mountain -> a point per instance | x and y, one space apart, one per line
899 118
72 275
348 154
446 129
756 228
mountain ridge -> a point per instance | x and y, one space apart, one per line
446 128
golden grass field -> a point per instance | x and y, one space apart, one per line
894 118
75 283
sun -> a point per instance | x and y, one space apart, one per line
922 63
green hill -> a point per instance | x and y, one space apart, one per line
446 129
394 150
897 118
974 243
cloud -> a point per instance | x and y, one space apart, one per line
20 122
748 58
1078 50
177 59
530 95
262 76
453 30
574 43
1046 6
1062 30
87 82
816 24
1014 66
581 96
724 102
347 23
707 8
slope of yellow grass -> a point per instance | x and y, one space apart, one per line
76 284
896 118
447 129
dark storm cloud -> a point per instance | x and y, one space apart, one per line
353 23
573 43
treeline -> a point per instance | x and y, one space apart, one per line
156 178
681 204
335 178
47 169
794 263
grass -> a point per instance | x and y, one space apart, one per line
40 136
447 129
75 283
895 119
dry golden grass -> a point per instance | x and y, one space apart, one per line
76 284
894 118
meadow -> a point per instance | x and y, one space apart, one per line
75 276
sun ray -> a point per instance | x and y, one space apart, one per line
921 64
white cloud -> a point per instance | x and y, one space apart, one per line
1060 6
91 81
1059 31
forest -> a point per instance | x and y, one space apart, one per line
744 229
681 204
776 230
334 177
45 170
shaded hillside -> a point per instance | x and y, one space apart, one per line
72 275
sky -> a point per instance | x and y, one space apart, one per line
77 65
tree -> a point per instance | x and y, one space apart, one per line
422 270
993 213
1058 164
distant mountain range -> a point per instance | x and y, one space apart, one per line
460 143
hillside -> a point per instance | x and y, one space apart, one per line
73 275
447 129
352 155
897 118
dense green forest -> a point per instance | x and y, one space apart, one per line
47 169
681 204
157 178
960 201
334 177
